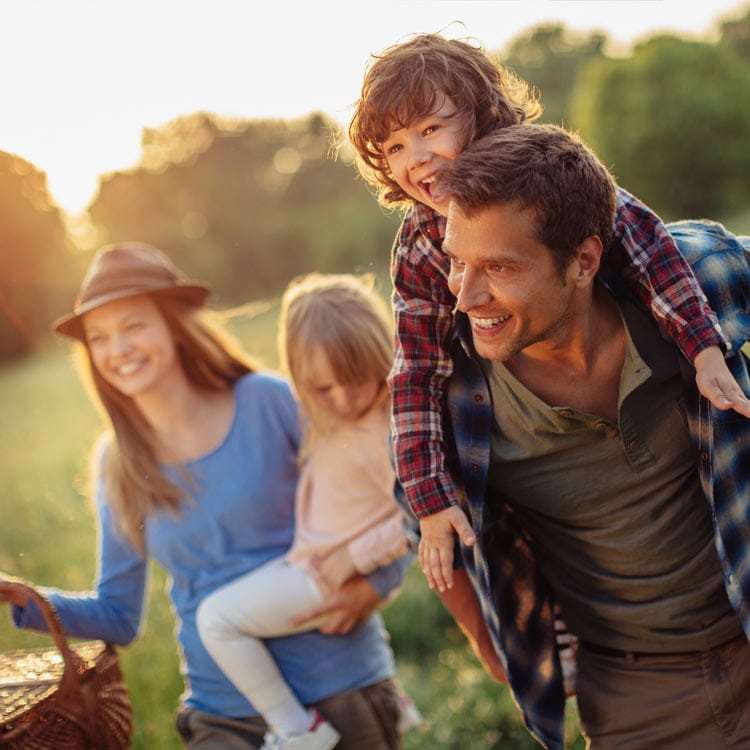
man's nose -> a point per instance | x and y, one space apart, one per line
472 292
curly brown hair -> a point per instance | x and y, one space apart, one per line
405 83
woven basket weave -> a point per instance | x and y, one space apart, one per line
63 698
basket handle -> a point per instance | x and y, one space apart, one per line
52 620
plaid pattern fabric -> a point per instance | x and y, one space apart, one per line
516 601
642 252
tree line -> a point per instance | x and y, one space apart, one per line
248 204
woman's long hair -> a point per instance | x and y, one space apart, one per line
134 482
343 317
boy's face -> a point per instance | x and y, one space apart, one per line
416 153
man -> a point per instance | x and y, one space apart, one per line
596 478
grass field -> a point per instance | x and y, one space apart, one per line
48 536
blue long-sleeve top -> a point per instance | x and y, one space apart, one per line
239 515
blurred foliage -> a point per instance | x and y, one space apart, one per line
549 56
735 32
671 121
38 271
246 204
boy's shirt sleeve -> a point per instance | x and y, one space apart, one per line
423 307
647 258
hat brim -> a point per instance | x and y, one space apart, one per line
72 324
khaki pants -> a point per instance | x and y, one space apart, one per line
698 701
365 718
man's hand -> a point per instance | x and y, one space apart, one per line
354 602
717 384
436 545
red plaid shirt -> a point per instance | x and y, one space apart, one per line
642 251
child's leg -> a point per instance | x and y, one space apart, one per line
232 620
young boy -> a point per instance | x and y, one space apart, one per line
421 103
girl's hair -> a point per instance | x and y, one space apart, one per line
342 317
405 83
135 485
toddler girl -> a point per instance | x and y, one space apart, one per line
336 344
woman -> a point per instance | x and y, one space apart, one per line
199 470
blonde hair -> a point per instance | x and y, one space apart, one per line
343 317
134 483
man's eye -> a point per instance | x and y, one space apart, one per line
496 267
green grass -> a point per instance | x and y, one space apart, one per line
48 536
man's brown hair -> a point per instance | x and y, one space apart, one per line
541 167
405 83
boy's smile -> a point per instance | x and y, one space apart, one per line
416 153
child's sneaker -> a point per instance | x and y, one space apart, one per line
409 717
320 736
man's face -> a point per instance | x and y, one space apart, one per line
506 280
416 153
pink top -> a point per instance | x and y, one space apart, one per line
347 518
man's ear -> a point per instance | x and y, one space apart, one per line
586 261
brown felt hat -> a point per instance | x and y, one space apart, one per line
126 270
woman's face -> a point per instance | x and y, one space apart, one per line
131 346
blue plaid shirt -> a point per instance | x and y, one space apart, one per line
516 601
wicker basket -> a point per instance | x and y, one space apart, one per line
63 698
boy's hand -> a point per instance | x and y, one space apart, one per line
436 545
717 384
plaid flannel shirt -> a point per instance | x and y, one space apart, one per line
515 599
642 252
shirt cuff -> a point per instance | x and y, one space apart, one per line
701 337
431 495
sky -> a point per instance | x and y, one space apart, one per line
81 78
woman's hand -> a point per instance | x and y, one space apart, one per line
354 602
13 593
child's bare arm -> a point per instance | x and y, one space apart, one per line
461 601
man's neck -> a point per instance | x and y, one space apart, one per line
581 366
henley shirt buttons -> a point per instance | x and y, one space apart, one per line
475 468
478 397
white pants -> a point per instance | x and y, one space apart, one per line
233 620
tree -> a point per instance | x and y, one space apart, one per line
672 122
549 56
37 279
735 32
245 204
